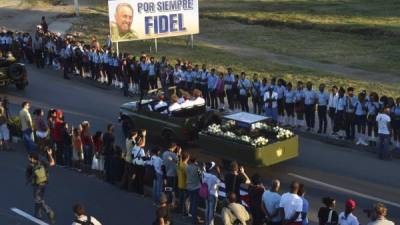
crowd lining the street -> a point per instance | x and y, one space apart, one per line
362 117
178 180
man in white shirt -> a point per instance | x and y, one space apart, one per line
186 103
383 120
347 217
174 106
291 206
81 217
199 100
270 203
161 106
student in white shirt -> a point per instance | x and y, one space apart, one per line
290 98
323 101
373 108
291 206
271 104
156 163
299 104
338 126
360 110
310 99
347 217
244 86
138 155
280 90
383 120
333 97
228 81
213 184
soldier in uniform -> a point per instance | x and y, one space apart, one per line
121 29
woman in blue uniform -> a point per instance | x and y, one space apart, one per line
373 108
396 122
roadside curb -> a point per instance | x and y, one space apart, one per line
91 82
343 143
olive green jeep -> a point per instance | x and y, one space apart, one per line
12 72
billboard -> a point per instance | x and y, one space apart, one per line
147 19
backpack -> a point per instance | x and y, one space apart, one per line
203 191
150 172
87 222
40 175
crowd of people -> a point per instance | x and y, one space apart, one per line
339 112
177 179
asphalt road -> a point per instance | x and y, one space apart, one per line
326 170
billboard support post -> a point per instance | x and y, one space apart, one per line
76 6
155 45
117 47
191 40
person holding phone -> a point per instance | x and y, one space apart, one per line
235 178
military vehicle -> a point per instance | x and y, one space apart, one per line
190 125
12 72
181 126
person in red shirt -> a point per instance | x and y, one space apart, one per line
97 151
57 137
87 142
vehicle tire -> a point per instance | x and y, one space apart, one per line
20 86
16 71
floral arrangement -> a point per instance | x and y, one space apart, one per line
259 125
214 129
259 134
283 133
260 141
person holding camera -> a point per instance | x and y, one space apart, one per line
138 157
130 142
379 214
235 179
170 159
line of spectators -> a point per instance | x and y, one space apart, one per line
178 180
338 112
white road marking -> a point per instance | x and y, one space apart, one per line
345 190
27 216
